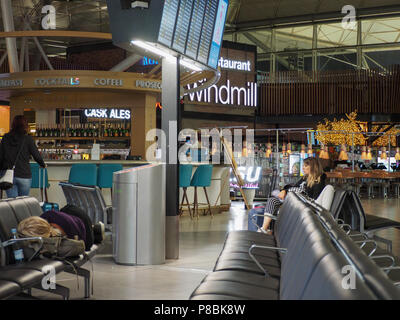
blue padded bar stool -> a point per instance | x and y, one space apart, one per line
105 175
40 180
185 176
201 178
84 174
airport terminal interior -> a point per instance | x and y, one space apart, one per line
200 150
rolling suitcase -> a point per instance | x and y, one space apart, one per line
45 204
259 219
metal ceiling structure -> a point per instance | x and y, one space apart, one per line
277 27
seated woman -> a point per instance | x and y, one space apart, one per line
312 184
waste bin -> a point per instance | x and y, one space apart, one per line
139 215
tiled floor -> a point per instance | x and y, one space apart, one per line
200 243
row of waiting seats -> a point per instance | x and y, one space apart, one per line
307 257
90 199
20 279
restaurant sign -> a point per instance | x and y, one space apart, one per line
122 114
227 94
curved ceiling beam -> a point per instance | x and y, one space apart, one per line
56 33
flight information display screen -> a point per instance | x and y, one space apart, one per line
168 21
182 25
196 25
194 28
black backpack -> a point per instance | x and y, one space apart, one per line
78 212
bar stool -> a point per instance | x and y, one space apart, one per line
37 180
201 178
105 175
84 174
185 176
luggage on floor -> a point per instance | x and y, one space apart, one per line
45 204
259 220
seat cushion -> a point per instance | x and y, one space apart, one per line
244 277
247 266
235 289
8 289
39 264
23 277
270 261
375 222
257 252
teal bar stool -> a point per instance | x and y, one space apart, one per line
202 179
185 176
37 179
84 174
105 175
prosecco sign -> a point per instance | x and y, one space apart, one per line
122 114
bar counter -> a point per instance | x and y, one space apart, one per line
58 171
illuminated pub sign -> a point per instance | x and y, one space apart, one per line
250 175
237 85
121 114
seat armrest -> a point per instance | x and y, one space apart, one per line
12 241
282 250
254 221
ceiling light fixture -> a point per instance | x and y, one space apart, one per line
164 54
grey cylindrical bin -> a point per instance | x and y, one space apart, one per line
139 215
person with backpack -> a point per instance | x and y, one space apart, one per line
74 226
16 148
54 242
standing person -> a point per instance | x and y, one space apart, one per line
16 148
312 184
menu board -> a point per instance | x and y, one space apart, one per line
195 28
168 22
182 25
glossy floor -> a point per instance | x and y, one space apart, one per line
200 243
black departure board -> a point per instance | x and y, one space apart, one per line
194 28
182 25
186 28
207 31
196 25
168 21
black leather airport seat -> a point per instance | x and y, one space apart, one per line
90 199
29 274
310 266
8 289
348 208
